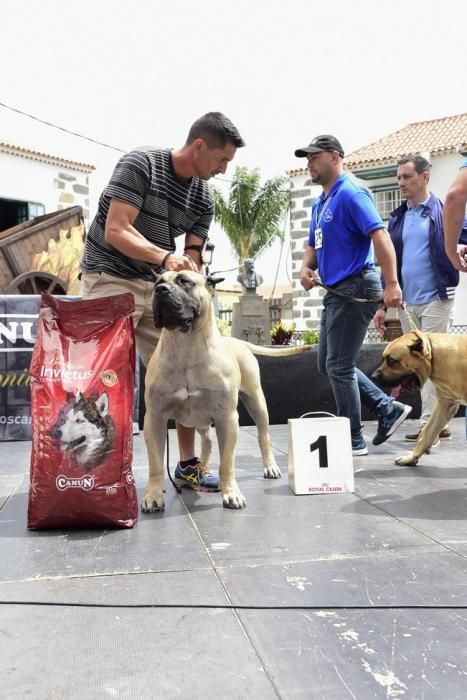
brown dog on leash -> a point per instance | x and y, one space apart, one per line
415 357
195 376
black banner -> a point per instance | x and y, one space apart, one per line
18 322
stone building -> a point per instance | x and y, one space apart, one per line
33 183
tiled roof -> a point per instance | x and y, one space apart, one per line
437 136
297 171
266 289
31 154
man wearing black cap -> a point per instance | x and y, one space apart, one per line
344 224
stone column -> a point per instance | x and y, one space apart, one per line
250 319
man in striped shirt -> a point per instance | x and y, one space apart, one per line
154 196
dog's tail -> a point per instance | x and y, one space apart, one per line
280 351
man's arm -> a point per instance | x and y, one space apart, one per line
124 237
195 239
310 263
384 249
192 239
453 219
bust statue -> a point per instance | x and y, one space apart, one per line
249 279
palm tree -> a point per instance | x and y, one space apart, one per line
252 214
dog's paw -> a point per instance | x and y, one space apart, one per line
152 502
272 472
407 460
233 498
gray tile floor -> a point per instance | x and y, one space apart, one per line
399 541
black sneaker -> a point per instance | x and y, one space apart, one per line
388 424
197 477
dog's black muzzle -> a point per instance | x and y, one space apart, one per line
173 308
379 378
409 382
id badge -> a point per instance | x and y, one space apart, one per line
318 238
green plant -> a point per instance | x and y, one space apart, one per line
253 213
282 334
310 337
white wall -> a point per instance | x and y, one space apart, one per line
460 305
443 171
54 186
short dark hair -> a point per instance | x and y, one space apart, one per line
420 163
216 130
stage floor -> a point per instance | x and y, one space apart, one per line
308 576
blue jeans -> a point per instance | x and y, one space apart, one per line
343 328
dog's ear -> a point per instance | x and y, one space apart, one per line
212 281
420 345
102 404
155 276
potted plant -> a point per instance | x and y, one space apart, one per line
282 334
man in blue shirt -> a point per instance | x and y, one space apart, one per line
425 273
344 224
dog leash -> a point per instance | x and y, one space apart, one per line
347 296
367 301
409 317
403 306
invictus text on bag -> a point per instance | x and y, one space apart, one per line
82 374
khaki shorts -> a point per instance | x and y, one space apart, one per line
100 284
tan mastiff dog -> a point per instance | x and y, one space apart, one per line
195 376
415 357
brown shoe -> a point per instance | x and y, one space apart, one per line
445 434
413 437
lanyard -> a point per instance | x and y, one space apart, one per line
320 215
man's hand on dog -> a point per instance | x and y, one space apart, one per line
177 263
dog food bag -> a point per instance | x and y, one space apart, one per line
82 375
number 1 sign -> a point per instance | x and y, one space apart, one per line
320 455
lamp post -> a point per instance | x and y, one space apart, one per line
207 256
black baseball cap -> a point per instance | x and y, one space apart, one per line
325 142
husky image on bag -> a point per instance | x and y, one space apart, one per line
84 429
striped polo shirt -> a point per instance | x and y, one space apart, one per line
168 207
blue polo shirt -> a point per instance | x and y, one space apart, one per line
344 219
417 271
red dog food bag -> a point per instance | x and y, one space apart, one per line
82 375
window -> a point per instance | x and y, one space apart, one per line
386 201
14 212
35 209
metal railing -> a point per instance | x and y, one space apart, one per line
373 336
